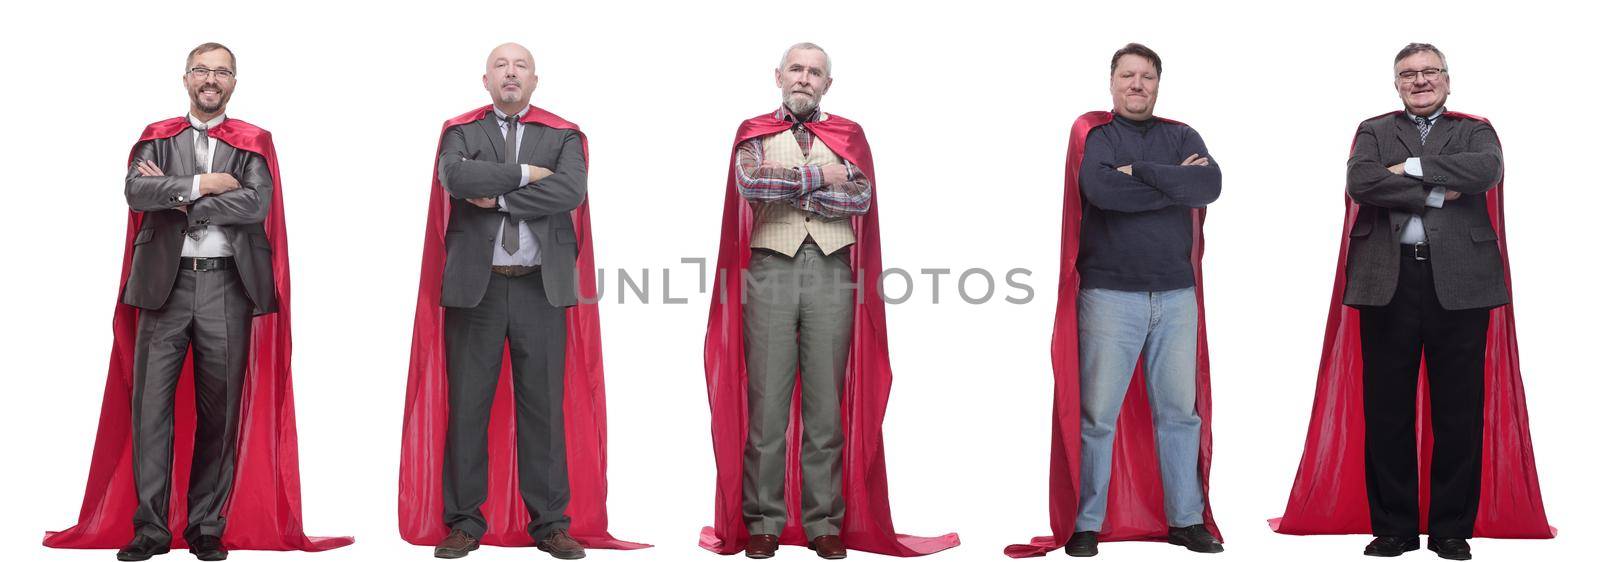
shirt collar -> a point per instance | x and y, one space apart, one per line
785 115
502 114
1431 118
203 125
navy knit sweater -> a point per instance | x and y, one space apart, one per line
1136 232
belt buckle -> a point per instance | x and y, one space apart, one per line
1417 252
194 264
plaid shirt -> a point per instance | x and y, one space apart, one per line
801 186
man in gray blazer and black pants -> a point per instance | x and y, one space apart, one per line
1424 268
202 269
510 268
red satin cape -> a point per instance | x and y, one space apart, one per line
1330 492
867 522
263 510
427 398
1134 509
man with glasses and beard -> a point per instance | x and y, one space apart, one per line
199 276
201 342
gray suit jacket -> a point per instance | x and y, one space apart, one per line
159 244
1461 155
471 165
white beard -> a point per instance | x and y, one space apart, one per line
799 104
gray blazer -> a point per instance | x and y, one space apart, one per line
471 165
159 244
1461 155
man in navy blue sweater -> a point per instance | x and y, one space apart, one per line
1141 179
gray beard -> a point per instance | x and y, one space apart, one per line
506 97
221 101
800 106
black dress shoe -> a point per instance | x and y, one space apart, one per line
1195 538
209 548
1388 547
1450 549
142 548
1083 544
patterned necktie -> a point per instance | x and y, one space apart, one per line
1424 124
202 164
510 238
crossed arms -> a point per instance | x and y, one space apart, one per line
833 190
1147 186
208 199
522 191
1433 179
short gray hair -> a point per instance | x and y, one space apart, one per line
827 61
1415 48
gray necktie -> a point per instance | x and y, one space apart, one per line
202 164
510 238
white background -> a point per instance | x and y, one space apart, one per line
967 106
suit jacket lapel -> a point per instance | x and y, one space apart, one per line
183 153
497 138
530 140
1407 131
221 155
1443 130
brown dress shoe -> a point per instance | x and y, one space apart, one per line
561 545
829 547
456 545
761 546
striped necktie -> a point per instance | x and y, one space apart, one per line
1424 124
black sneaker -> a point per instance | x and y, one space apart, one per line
1195 538
1083 544
209 548
1388 547
1450 549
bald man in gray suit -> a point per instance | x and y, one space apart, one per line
510 264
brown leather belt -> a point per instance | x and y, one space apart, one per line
514 270
204 264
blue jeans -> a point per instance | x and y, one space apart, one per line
1114 327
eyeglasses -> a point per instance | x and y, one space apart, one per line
203 72
1429 74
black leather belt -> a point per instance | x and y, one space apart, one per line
1417 252
514 270
204 264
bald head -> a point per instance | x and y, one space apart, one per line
508 76
509 52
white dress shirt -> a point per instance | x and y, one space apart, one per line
1413 232
213 242
527 246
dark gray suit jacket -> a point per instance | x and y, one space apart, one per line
471 165
1461 155
159 243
